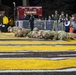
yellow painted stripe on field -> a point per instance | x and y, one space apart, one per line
36 48
37 42
35 64
5 35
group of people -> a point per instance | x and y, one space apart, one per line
31 20
63 22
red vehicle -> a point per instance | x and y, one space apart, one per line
35 10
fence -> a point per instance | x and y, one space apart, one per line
40 24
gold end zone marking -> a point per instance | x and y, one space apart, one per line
36 64
36 48
37 42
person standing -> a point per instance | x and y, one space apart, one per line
31 22
61 21
52 17
25 21
56 18
49 18
49 26
25 17
11 22
5 24
67 25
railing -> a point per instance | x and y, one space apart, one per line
40 24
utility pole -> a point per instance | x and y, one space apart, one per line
14 10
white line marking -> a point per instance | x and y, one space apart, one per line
18 71
60 58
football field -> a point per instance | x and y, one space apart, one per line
36 57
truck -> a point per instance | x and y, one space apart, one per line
35 10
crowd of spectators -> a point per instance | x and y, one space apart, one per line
63 22
56 22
